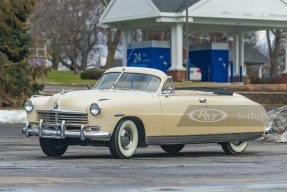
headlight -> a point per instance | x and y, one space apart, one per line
95 109
29 105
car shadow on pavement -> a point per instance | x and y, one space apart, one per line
152 155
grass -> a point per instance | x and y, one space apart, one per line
71 78
66 77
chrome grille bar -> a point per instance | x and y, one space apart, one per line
59 116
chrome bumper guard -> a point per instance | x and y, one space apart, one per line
269 130
62 133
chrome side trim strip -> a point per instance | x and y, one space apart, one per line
119 115
197 139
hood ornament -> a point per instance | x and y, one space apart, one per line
64 91
56 105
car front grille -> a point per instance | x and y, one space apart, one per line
51 117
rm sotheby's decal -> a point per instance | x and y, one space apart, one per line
207 115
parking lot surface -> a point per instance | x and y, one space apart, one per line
23 167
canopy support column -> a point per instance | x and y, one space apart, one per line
127 40
176 47
241 55
177 71
284 73
235 54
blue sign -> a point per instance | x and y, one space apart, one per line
153 57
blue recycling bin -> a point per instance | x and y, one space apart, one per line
212 59
150 54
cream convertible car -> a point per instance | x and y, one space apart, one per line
136 107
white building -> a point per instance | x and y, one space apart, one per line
234 16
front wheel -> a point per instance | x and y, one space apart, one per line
53 147
172 149
124 141
234 148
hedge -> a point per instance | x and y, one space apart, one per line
91 74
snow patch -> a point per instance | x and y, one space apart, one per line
13 116
278 121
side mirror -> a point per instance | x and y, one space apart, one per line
88 87
168 91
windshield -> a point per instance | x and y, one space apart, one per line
129 81
138 82
108 80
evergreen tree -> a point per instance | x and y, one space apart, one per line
17 77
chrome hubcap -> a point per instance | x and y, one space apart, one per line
126 138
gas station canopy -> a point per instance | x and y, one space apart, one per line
234 16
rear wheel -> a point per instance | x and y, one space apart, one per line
172 149
53 147
124 141
234 148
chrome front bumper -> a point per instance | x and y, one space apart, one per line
62 133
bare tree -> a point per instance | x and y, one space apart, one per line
203 38
156 35
275 41
113 39
251 39
72 28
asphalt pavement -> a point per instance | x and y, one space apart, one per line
24 168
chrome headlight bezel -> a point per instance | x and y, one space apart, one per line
29 106
95 109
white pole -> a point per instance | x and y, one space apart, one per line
285 71
235 55
187 44
176 47
125 47
241 53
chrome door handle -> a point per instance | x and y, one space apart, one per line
202 100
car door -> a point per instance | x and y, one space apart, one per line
179 115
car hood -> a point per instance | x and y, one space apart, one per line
80 100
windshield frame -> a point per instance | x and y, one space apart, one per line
120 74
134 90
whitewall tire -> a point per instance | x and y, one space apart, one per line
234 148
124 141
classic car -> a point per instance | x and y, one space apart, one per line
133 107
